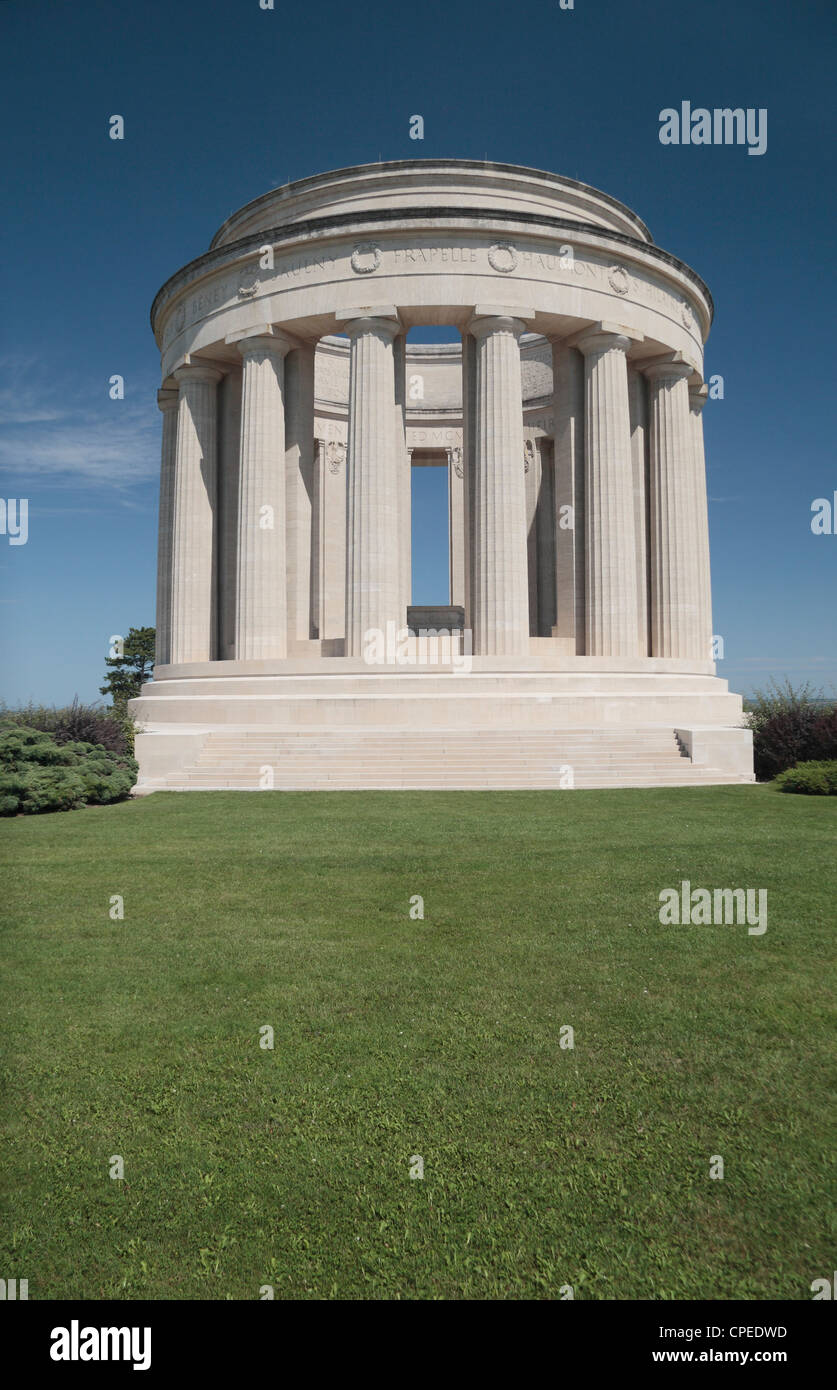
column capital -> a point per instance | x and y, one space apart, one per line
497 321
672 365
167 398
599 337
197 372
264 339
601 340
373 318
667 371
698 396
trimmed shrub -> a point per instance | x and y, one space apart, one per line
103 780
43 750
51 789
12 790
38 774
811 779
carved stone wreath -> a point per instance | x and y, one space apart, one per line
687 314
248 282
366 258
180 319
502 257
618 279
456 460
528 454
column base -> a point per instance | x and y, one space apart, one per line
339 722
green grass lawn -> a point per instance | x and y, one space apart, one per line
543 1166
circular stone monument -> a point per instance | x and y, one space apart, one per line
576 647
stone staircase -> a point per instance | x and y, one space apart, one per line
387 758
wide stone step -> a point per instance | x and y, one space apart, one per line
439 756
383 758
488 783
327 743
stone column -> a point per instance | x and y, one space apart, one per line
532 483
675 582
698 396
568 451
261 612
612 615
373 576
456 525
501 597
317 547
638 401
329 545
545 533
167 401
299 463
193 598
469 406
404 476
229 443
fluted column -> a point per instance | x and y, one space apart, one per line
469 407
404 476
229 445
193 598
300 465
568 454
501 595
167 401
373 574
638 403
697 400
261 610
675 580
612 621
330 540
545 533
457 527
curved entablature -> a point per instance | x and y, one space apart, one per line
462 184
486 255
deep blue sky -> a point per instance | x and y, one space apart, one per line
223 100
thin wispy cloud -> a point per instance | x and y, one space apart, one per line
47 434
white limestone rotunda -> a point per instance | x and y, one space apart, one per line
576 646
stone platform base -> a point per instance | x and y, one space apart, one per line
336 723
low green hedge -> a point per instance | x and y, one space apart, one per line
37 774
813 779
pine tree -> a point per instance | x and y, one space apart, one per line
127 673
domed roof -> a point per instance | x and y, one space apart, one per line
443 186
